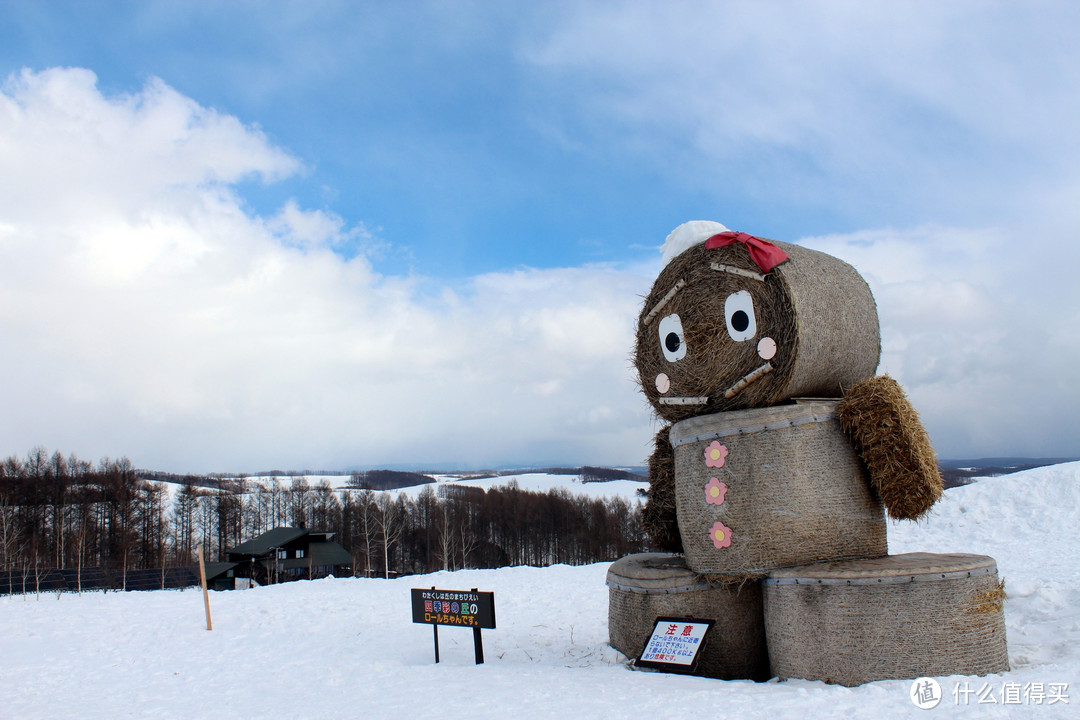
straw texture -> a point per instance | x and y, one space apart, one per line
903 616
816 309
658 519
793 491
893 443
644 587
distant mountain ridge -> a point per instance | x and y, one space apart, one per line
955 473
962 472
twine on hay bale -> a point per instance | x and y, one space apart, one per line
903 616
893 444
816 308
658 518
794 491
645 586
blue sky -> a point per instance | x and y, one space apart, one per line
323 234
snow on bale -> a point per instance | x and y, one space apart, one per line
903 616
772 487
645 586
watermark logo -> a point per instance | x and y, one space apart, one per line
925 693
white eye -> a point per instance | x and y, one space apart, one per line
739 314
672 341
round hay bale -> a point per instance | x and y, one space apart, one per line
646 586
903 616
772 487
809 327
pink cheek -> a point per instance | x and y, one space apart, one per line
663 383
766 348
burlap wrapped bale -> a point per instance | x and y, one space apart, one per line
903 616
794 491
816 308
646 586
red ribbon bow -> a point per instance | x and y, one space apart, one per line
764 254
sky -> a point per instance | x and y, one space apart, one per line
279 235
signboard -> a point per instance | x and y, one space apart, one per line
675 644
461 608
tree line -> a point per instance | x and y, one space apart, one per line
61 512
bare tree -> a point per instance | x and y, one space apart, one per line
390 522
367 524
445 547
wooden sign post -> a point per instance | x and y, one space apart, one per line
205 592
461 608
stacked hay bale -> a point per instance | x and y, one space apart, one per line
794 492
646 586
903 616
786 453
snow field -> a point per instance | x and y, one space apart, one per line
346 648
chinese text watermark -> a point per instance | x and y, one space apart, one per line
927 693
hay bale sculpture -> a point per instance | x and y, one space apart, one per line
784 453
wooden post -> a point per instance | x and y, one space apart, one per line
478 641
205 592
435 628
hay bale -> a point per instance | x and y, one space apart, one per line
788 490
903 616
658 519
816 310
646 586
893 443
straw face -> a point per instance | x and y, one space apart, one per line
715 333
904 616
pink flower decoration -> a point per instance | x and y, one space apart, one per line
721 535
715 454
715 491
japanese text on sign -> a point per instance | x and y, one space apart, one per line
453 607
674 643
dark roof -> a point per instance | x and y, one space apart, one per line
214 569
278 537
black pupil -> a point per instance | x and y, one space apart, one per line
672 342
740 321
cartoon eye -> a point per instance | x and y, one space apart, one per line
739 314
672 341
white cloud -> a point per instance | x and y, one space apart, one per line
946 130
146 313
944 109
981 328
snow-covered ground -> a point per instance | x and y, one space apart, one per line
347 648
534 481
545 482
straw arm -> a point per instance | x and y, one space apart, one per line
893 444
659 517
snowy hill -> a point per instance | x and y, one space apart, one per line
346 648
534 481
